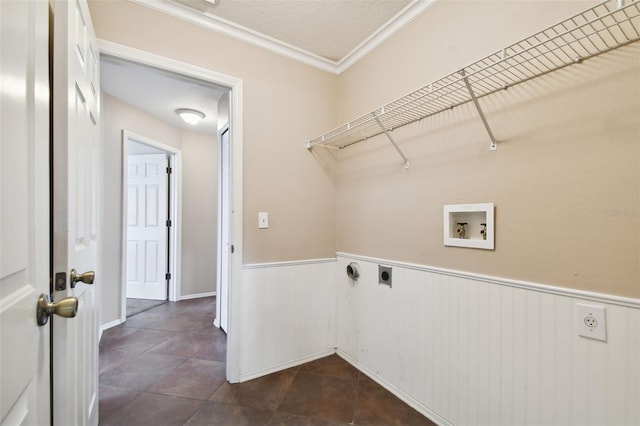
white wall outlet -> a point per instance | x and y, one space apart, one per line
263 220
591 321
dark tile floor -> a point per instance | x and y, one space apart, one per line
166 366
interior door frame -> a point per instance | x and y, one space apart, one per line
236 141
175 212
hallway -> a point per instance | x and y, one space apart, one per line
166 366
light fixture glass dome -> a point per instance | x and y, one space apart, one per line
190 116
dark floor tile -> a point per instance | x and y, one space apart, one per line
215 351
216 413
135 306
196 378
141 372
325 397
151 409
114 334
135 338
111 399
159 321
265 392
188 344
377 406
331 366
206 305
115 357
286 419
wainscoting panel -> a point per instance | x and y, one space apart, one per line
467 350
288 315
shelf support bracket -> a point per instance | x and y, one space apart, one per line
494 143
395 145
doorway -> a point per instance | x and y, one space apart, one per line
151 198
234 118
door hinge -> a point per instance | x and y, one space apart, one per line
168 223
169 170
167 276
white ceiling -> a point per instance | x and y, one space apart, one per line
329 34
161 93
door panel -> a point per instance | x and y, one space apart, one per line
24 211
76 183
147 213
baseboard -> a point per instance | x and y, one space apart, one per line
434 417
197 295
285 365
107 326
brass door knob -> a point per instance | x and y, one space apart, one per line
67 308
86 278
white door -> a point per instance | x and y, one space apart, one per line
76 197
24 211
224 246
147 232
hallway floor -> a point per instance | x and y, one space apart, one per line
166 366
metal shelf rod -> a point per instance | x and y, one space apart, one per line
395 145
494 143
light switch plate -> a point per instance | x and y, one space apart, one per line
263 220
591 321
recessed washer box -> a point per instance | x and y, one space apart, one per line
469 225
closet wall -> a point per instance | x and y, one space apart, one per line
564 178
472 336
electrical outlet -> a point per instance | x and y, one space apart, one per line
384 275
591 321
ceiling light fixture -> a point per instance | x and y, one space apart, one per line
190 116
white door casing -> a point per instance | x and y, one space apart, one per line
147 215
236 205
224 244
76 186
24 211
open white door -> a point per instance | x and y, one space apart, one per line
224 245
76 186
24 211
147 227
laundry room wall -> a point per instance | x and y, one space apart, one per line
471 336
563 178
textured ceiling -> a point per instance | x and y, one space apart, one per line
328 28
160 92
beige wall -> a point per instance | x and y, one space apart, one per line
566 165
199 212
284 104
199 200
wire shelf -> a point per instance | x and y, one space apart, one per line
602 28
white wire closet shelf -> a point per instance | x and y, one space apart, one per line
599 29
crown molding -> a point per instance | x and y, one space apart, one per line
247 35
388 29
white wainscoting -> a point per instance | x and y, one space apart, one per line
288 315
466 349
